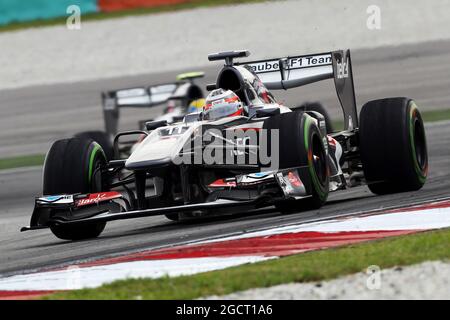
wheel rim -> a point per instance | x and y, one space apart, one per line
96 162
319 159
97 183
419 142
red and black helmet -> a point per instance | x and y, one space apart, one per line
222 103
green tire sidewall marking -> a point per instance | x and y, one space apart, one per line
420 174
91 160
315 180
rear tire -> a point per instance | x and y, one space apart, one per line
301 144
393 146
73 166
102 138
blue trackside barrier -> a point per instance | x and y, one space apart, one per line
28 10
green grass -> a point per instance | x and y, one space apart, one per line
118 14
313 266
435 115
22 161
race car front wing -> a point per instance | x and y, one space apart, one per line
109 206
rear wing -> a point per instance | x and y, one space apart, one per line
146 97
139 97
291 72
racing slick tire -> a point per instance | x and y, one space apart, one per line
72 166
393 146
317 107
102 138
301 144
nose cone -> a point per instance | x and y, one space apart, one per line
152 152
159 148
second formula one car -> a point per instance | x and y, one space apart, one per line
244 150
181 96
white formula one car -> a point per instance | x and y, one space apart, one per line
244 150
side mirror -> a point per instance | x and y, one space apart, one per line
193 117
211 87
267 112
178 118
142 124
152 125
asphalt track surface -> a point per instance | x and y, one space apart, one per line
31 117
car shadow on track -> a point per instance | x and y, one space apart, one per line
189 224
244 216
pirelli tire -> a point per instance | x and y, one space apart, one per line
74 166
393 146
318 107
102 138
301 144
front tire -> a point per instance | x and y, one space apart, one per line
301 144
393 146
102 138
318 107
74 166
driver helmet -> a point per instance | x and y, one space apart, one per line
222 103
196 105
